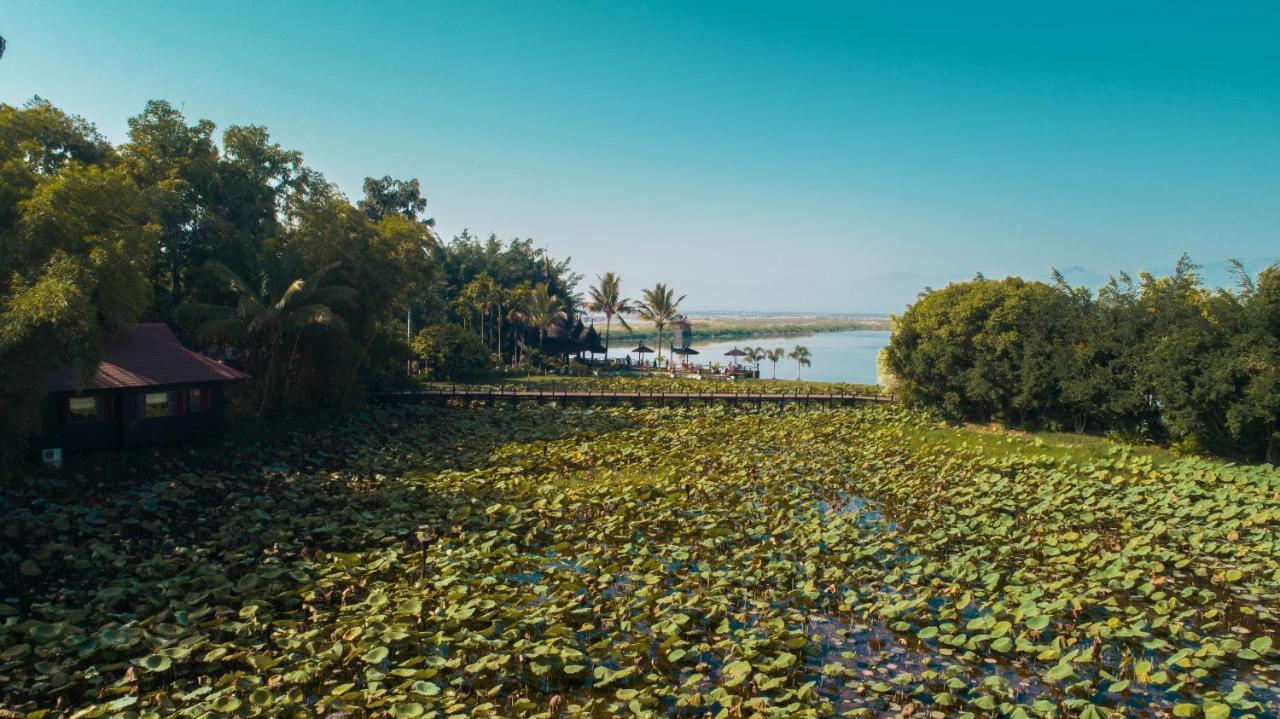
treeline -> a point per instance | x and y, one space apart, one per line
250 254
1157 358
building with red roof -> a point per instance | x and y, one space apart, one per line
148 389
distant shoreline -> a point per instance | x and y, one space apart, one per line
709 329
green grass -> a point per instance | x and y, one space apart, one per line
995 442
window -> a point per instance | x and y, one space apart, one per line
82 409
198 399
157 404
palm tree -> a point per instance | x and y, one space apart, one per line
516 298
756 355
606 297
267 313
659 306
773 356
542 310
801 355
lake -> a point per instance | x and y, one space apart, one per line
837 356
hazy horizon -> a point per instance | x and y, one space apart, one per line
819 158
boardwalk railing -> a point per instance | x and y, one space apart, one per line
492 396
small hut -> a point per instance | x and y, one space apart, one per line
570 337
148 389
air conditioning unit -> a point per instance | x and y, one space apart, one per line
52 457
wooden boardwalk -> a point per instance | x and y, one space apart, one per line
587 398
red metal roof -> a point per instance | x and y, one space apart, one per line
149 355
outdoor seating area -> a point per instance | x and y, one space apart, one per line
677 365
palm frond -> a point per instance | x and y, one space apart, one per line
227 276
313 318
336 296
226 331
195 313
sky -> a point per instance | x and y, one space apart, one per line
764 156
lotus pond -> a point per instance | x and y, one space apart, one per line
454 562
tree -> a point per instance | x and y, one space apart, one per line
387 197
450 352
278 309
606 297
177 167
801 355
958 349
541 310
515 267
658 305
74 257
479 296
1254 418
774 355
1186 356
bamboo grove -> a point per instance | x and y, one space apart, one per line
1156 358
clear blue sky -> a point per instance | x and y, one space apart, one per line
770 156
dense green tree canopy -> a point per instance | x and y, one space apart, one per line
241 246
451 352
74 255
1160 358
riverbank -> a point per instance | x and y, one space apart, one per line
706 329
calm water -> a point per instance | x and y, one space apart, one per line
837 356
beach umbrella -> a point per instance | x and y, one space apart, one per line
735 353
641 350
686 351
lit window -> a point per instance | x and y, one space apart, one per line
198 399
157 404
82 409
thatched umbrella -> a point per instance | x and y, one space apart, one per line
641 350
735 353
686 351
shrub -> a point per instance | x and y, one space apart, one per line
451 352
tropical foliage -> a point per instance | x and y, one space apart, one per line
802 356
1161 358
271 324
540 310
664 562
659 305
606 298
75 256
249 253
773 356
450 352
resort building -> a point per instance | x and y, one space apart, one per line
148 389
